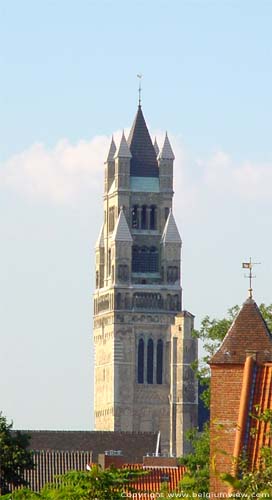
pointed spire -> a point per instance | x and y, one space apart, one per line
111 150
123 150
121 231
144 160
166 152
248 335
100 239
170 233
156 147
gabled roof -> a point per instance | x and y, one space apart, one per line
123 150
112 150
144 159
100 239
170 233
166 152
248 334
121 231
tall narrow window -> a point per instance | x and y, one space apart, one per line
109 262
153 222
150 356
134 217
159 361
141 362
144 217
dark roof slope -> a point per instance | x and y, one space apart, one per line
248 335
133 445
144 161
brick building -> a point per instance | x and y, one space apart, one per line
240 379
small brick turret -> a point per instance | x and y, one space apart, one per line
248 336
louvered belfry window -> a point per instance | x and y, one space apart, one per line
150 359
141 362
145 259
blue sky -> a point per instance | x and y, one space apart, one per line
68 81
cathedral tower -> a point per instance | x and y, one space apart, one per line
143 343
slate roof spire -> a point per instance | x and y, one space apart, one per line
166 152
144 161
100 239
123 150
121 231
170 233
156 147
111 150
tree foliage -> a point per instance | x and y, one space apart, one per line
96 484
15 458
257 482
196 479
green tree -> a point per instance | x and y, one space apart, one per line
15 458
196 479
96 484
257 482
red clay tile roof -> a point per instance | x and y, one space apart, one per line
249 334
259 431
253 433
152 482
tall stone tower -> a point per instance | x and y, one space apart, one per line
143 343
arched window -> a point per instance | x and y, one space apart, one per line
159 361
144 217
134 217
153 221
150 356
141 362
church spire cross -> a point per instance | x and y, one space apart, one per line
249 265
140 88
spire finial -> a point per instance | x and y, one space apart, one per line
249 265
140 87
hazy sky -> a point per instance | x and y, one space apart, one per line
67 82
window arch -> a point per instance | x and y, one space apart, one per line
150 358
159 361
140 376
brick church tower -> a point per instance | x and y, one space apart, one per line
143 342
248 336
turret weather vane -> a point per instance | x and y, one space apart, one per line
249 265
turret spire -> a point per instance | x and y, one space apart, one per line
123 150
111 150
166 152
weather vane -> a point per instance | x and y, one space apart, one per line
249 265
140 87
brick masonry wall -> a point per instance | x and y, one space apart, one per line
226 385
